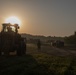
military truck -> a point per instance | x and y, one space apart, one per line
58 44
11 40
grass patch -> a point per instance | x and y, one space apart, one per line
37 64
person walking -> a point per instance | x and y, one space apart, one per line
39 45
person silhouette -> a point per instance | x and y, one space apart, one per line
9 29
39 45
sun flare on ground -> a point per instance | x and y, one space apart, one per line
13 20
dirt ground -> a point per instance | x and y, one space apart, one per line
50 50
32 49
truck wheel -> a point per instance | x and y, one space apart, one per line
23 49
23 52
6 53
0 53
19 53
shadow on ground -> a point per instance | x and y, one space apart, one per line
23 65
37 64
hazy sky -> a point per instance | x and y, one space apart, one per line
42 17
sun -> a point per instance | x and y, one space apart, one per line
13 20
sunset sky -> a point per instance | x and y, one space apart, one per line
41 17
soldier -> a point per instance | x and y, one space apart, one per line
39 45
4 27
9 29
16 28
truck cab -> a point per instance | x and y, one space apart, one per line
10 39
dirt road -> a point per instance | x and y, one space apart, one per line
51 50
58 51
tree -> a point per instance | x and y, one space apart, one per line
71 39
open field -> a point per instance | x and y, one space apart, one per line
31 48
48 61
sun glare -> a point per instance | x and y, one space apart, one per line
13 20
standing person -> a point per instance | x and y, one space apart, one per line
39 45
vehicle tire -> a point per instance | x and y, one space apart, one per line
19 53
0 53
23 47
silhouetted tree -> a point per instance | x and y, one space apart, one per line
71 39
